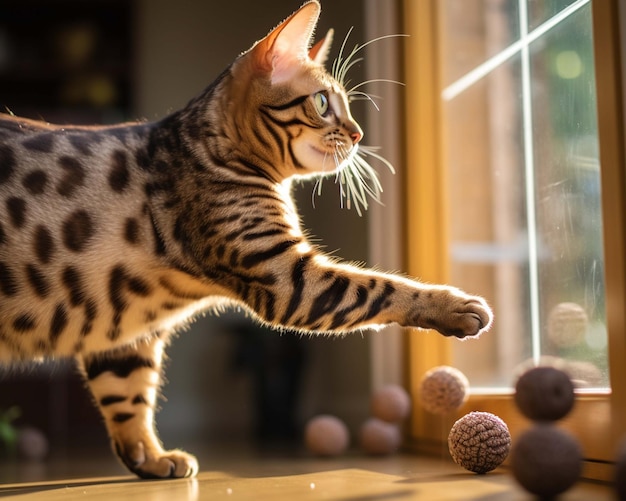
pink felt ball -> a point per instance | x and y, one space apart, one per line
444 389
391 403
32 444
380 437
326 435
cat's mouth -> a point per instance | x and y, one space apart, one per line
337 153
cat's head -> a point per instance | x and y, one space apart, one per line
294 101
290 117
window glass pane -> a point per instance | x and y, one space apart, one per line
569 220
539 11
521 150
475 40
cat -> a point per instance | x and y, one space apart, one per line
112 237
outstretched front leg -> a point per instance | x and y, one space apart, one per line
304 290
125 384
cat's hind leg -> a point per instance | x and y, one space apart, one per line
125 385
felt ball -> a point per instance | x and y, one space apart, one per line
567 324
479 442
544 394
326 435
545 460
391 403
619 476
380 437
444 389
32 444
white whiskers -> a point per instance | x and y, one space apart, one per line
358 181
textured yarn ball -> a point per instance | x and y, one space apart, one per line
479 442
567 324
545 460
444 389
544 394
380 437
326 435
391 403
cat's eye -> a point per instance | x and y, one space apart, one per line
321 103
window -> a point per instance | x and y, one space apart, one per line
514 154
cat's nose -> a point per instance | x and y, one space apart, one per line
356 134
356 137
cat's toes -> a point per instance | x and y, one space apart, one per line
157 464
456 314
472 319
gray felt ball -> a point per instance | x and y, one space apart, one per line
545 460
567 324
479 442
544 394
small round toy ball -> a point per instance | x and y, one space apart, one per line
380 437
546 461
391 403
479 442
567 324
544 394
619 476
326 435
32 444
444 389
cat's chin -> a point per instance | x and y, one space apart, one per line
319 160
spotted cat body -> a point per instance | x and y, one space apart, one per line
112 237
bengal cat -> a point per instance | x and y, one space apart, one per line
112 237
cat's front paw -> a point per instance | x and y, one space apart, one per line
154 464
454 313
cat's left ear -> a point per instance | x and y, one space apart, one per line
319 52
285 48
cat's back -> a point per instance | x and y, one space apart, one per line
68 183
72 216
36 155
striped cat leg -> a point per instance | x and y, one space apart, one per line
125 384
313 293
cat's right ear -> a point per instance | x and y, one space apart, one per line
319 52
286 47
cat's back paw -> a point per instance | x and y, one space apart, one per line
157 464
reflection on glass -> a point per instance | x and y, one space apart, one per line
466 19
524 187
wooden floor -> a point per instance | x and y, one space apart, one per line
353 477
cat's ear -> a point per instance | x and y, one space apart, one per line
319 52
281 52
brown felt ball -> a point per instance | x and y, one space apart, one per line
326 435
479 442
380 437
545 460
391 403
544 394
444 389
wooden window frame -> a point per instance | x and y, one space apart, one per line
598 420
